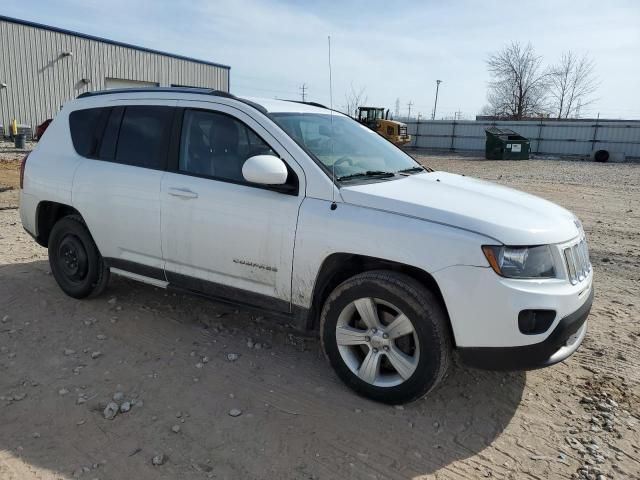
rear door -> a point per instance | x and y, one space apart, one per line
220 234
117 191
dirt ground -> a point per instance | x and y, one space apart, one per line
184 363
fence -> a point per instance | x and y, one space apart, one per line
548 137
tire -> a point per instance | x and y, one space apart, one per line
402 366
75 261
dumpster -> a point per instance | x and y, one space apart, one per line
505 144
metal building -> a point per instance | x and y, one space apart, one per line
41 67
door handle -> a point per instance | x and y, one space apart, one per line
182 192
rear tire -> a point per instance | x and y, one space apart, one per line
386 336
75 261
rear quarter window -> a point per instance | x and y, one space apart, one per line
86 129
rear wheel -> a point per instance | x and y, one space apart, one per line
75 261
386 336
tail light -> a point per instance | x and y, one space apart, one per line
22 165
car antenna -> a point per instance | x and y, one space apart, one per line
334 205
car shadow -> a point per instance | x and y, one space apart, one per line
187 361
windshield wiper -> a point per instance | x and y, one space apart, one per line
368 173
411 170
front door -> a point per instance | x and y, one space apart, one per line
220 234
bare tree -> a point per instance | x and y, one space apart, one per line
519 84
572 85
353 99
488 111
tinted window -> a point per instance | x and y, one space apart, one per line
217 145
86 128
110 137
144 134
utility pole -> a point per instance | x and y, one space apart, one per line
409 105
435 105
577 113
397 112
303 89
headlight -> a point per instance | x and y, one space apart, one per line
521 262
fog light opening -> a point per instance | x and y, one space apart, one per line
534 322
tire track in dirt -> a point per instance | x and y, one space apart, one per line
298 421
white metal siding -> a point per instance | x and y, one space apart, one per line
39 79
547 137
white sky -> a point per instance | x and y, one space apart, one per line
392 49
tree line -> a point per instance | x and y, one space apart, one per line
521 87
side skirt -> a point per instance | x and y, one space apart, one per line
298 317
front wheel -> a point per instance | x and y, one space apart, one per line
386 336
75 261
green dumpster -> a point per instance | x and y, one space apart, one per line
505 144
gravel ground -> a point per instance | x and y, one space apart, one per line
196 389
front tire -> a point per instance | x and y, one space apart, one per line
386 336
75 261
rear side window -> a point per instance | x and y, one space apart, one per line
110 137
86 129
144 136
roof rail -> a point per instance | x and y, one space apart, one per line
313 104
199 90
206 91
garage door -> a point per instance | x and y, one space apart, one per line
124 83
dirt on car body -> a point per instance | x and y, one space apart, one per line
253 399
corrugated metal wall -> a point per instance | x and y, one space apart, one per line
547 137
39 78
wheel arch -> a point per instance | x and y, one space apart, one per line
338 267
47 214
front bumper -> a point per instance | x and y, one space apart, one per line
563 342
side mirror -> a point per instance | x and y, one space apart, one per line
265 170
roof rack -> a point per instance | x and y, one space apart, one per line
198 90
205 91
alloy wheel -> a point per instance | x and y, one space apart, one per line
377 342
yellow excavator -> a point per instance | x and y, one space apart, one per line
378 120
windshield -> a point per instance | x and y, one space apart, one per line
355 150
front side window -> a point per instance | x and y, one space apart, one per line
340 143
217 145
144 136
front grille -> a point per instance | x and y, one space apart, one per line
577 258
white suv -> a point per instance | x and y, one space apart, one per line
303 212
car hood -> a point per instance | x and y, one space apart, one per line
507 215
